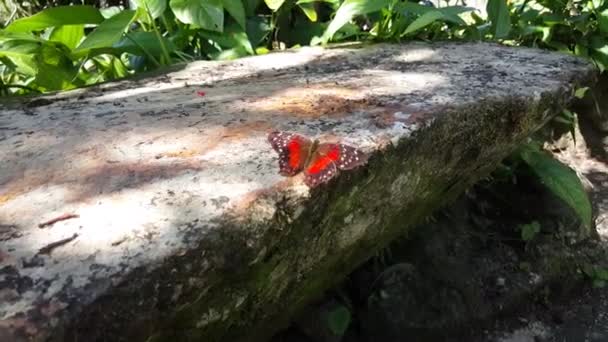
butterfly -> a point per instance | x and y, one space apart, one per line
319 161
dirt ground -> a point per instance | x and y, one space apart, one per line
583 316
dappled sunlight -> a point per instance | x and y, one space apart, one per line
387 82
150 170
205 73
416 55
140 145
288 59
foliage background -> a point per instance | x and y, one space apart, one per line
101 40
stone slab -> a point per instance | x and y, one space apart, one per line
183 227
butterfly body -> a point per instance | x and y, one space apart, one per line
320 162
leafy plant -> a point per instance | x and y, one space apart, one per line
560 179
499 19
597 274
529 231
577 26
83 45
394 20
338 320
65 47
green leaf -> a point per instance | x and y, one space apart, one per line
444 14
69 35
441 14
143 43
21 52
603 21
601 273
109 12
581 50
108 32
338 320
413 8
51 77
274 5
236 10
234 37
529 15
250 7
599 53
119 69
57 16
348 10
561 180
309 10
156 7
423 21
580 92
498 13
230 54
45 63
529 231
598 3
208 14
257 29
545 31
552 19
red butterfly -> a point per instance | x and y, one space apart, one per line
320 162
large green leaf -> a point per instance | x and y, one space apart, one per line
603 21
440 14
207 14
561 180
44 62
22 53
338 320
309 10
233 37
599 51
498 13
57 16
348 10
412 7
236 10
143 44
108 32
423 21
257 29
69 35
251 6
545 31
155 7
52 77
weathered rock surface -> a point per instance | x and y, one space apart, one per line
185 229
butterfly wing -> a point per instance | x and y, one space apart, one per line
293 150
328 158
322 166
350 157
